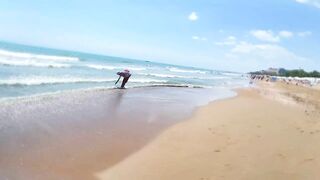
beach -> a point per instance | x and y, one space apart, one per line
268 132
75 134
160 90
62 115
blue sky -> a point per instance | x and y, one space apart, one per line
237 35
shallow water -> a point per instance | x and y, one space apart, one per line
26 70
73 135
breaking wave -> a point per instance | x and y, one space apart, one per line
42 80
101 67
173 69
162 75
11 58
142 80
108 67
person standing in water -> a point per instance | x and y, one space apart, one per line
126 75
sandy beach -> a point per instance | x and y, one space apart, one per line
268 132
74 135
160 90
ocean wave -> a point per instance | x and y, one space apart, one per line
135 68
109 67
42 80
231 74
173 69
10 58
178 85
209 77
21 55
147 81
162 75
213 78
45 95
32 63
101 67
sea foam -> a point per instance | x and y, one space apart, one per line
11 58
29 72
179 70
110 67
41 80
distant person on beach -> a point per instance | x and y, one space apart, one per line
126 75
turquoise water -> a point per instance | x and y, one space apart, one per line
27 70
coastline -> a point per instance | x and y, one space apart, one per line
72 135
268 131
57 93
263 133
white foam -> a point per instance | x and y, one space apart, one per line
27 59
182 85
37 56
39 80
209 77
136 68
101 67
163 75
108 67
213 78
173 69
147 80
231 74
27 62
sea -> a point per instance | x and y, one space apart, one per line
31 71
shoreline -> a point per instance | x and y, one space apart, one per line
255 135
163 133
96 89
75 134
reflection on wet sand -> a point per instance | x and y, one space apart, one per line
74 135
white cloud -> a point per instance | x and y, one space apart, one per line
193 16
261 56
304 33
302 1
256 56
270 36
315 3
244 47
265 35
229 41
264 50
285 34
204 39
231 38
197 38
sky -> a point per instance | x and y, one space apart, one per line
234 35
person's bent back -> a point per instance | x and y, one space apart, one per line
126 75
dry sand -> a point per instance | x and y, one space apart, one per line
269 132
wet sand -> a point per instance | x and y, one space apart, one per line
268 132
75 135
